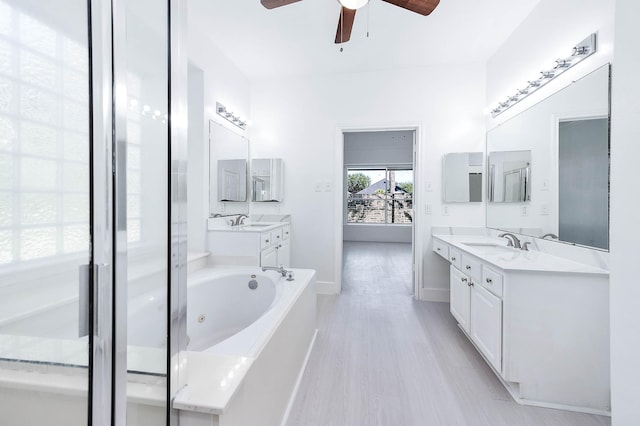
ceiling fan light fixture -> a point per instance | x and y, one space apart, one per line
353 4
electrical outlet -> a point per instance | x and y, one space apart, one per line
544 209
428 209
221 207
445 210
524 211
278 207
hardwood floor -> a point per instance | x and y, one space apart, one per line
384 359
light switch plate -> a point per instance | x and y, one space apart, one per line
327 186
544 209
428 209
428 186
317 186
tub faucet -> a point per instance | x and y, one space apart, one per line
513 240
279 269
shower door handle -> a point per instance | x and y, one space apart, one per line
88 287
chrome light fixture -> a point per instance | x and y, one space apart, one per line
581 51
353 4
222 111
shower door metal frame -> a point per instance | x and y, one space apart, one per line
104 373
177 282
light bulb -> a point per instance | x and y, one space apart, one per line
353 4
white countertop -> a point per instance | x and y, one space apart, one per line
212 380
246 227
516 259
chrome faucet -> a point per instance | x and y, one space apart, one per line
239 220
550 235
513 240
279 269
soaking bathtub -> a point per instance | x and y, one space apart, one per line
249 337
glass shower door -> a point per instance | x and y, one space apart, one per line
45 219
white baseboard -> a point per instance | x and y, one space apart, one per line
434 294
326 287
299 379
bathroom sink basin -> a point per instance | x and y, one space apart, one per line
489 248
256 225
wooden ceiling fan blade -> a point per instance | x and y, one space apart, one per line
272 4
345 25
423 7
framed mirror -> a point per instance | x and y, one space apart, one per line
566 139
228 174
462 177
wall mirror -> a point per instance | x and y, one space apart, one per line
509 176
462 177
267 179
566 137
228 182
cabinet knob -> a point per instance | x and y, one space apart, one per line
470 283
438 248
464 280
453 258
489 280
468 267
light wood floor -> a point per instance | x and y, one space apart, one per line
384 359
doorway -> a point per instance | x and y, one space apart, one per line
377 211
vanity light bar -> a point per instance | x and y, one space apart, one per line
222 111
581 51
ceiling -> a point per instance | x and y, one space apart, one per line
297 39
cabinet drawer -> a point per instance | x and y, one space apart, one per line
441 248
492 281
276 235
455 257
265 240
472 267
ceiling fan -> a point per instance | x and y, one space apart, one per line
349 7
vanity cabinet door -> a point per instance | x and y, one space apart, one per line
269 257
459 298
284 254
486 325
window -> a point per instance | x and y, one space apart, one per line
44 140
380 196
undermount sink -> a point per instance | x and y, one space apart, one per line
256 225
490 248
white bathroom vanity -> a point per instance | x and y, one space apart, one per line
540 321
255 244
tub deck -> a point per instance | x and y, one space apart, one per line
224 380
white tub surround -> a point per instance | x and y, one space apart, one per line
251 377
540 321
249 244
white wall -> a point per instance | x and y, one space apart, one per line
625 228
300 120
224 83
